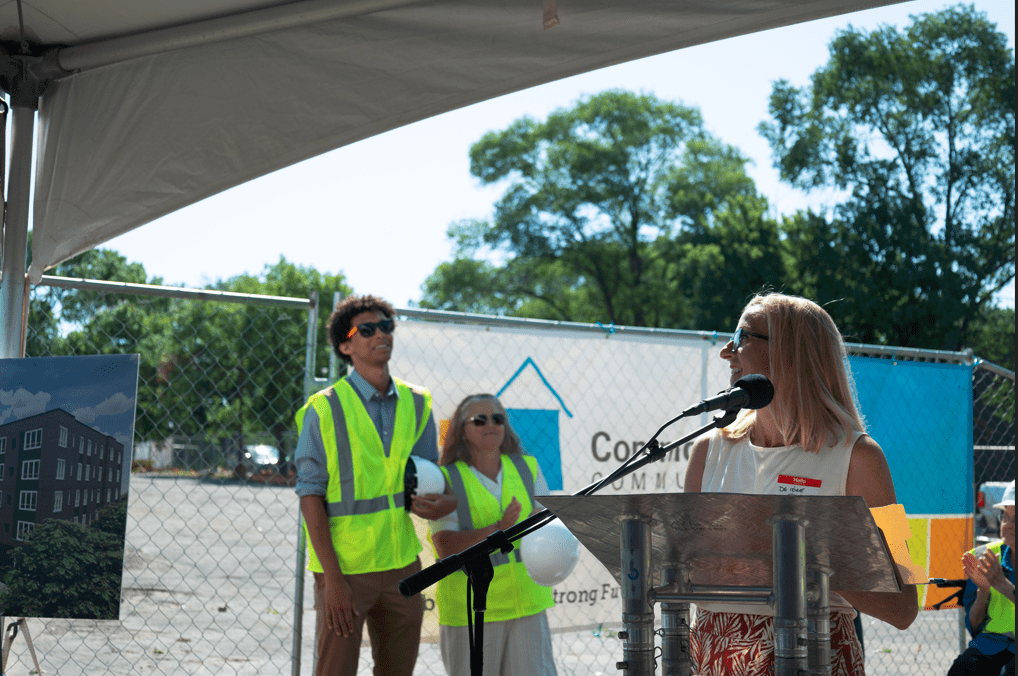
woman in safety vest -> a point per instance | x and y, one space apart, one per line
494 483
989 601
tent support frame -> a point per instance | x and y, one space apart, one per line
17 77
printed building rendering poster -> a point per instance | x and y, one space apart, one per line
66 431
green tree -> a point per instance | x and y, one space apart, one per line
992 337
112 518
916 127
234 373
67 570
619 209
74 308
726 246
221 374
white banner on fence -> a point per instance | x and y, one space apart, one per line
582 403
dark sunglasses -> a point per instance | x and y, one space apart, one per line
481 420
740 332
367 329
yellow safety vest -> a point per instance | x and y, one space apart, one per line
999 609
371 530
512 593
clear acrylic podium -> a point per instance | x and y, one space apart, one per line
772 550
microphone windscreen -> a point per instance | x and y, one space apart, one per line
760 390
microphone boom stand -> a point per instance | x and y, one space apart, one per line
476 559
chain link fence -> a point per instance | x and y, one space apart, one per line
212 538
993 423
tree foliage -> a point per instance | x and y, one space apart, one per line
619 209
69 570
916 127
227 373
623 208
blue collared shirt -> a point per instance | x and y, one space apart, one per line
309 458
983 641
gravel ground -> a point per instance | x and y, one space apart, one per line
209 589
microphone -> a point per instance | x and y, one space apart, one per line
752 391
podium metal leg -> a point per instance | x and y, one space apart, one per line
818 623
675 628
789 555
637 613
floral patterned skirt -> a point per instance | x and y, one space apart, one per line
734 644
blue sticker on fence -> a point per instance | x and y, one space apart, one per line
921 415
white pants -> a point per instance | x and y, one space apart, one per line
512 648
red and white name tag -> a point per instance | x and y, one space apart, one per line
798 485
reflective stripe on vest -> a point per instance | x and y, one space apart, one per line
512 593
364 500
999 609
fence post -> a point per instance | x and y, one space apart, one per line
298 594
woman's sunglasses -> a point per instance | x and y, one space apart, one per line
737 337
481 420
367 329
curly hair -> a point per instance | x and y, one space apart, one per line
343 314
456 447
814 392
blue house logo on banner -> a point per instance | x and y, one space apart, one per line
538 428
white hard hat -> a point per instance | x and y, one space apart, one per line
1008 499
429 477
550 553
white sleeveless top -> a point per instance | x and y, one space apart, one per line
737 466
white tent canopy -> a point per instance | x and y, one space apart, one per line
151 106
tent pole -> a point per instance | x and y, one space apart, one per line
15 232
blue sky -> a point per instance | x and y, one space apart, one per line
378 210
99 391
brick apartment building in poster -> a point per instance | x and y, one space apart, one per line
55 467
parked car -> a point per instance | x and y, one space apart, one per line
257 457
988 518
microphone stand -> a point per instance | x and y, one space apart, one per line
476 559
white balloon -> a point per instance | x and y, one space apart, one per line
550 553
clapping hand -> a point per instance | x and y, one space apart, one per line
984 571
511 515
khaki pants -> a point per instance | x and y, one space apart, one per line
394 625
520 647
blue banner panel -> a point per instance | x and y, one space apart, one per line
921 415
539 434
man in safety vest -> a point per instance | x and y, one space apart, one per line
989 601
355 439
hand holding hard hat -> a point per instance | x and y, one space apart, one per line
423 489
423 477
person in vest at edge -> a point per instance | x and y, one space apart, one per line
494 483
810 437
989 601
355 440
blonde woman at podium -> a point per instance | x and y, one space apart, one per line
809 441
495 483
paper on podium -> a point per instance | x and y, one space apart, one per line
892 521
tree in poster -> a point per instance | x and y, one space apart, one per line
66 569
916 128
